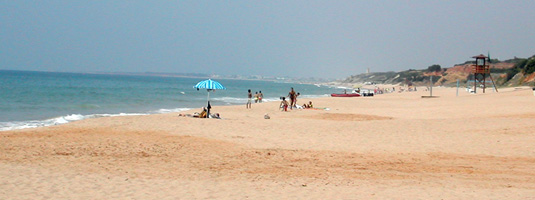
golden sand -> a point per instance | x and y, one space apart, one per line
395 145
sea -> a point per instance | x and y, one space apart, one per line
30 99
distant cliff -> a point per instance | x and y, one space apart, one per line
512 72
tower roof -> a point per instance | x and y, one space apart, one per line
480 56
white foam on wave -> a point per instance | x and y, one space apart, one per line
172 110
73 117
338 87
115 115
231 100
270 99
5 126
314 96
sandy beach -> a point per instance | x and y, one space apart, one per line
391 146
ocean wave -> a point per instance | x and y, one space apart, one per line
314 96
88 106
14 125
162 111
230 100
235 101
270 99
4 126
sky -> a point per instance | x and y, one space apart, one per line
324 39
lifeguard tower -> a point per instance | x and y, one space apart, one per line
481 70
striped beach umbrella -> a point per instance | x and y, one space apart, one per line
209 85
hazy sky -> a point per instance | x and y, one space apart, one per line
331 39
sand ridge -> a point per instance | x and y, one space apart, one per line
348 117
178 156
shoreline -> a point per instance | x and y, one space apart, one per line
28 124
17 125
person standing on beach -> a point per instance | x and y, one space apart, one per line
256 97
249 99
292 97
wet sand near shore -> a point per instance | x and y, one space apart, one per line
395 145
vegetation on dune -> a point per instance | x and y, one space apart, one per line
434 68
512 72
523 66
527 66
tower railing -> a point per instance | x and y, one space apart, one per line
480 69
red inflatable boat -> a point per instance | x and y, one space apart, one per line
345 95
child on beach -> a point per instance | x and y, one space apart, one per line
256 97
284 104
260 96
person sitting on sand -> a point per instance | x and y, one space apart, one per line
284 104
203 114
195 114
309 105
216 116
200 115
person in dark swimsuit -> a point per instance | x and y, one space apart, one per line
292 95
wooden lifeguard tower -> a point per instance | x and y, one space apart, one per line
481 70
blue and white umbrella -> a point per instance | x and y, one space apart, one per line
209 85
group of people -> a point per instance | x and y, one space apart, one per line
293 101
284 105
258 96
